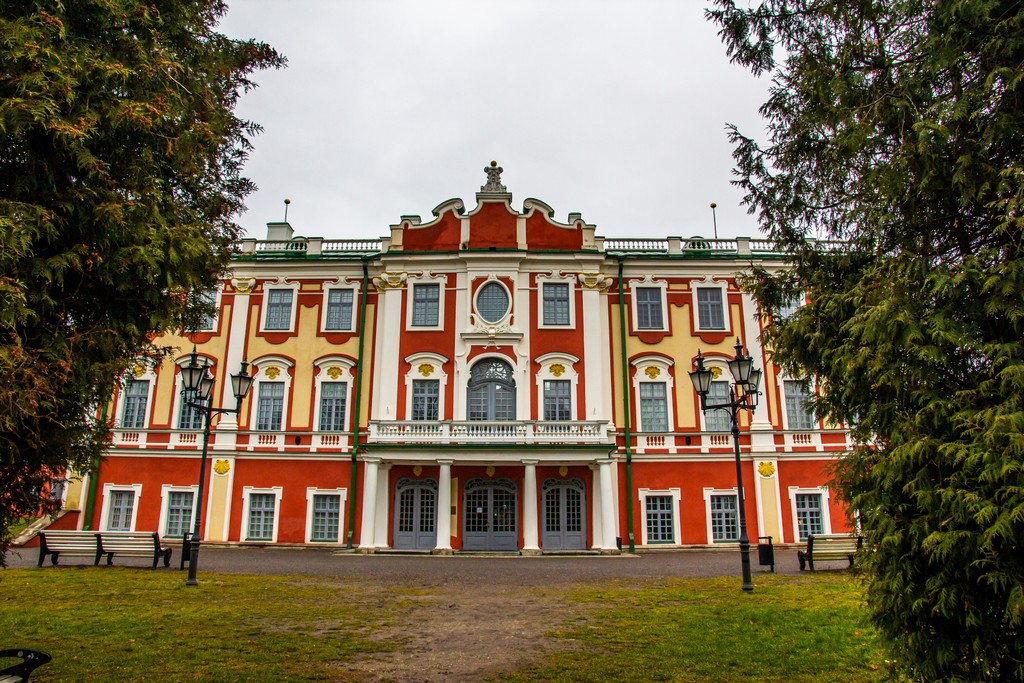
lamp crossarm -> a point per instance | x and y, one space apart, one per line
210 409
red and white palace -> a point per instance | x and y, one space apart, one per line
491 379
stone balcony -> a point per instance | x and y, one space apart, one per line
510 432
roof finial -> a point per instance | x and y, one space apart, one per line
493 179
286 203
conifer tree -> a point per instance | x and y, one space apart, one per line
897 129
120 172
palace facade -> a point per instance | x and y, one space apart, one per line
490 379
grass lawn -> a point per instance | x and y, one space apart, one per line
131 624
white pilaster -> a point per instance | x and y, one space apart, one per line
595 510
444 510
387 363
607 509
595 356
530 524
369 524
380 531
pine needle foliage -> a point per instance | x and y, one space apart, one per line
898 128
120 171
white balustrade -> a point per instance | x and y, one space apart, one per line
471 431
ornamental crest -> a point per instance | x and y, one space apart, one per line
386 281
272 373
557 369
221 467
598 281
418 470
493 179
334 372
243 285
652 372
563 470
766 469
426 369
138 371
716 372
490 470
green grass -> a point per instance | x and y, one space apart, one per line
807 628
131 624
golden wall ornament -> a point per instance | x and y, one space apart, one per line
334 372
766 469
138 371
221 467
426 369
716 372
563 471
243 285
272 373
490 470
598 281
557 369
652 372
386 281
418 470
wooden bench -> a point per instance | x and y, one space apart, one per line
133 544
57 543
19 673
829 547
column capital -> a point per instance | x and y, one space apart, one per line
532 461
449 463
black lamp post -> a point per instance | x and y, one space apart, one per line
744 393
198 383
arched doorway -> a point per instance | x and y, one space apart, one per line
564 522
492 391
415 514
490 517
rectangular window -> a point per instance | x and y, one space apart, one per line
798 412
279 309
710 312
648 308
424 399
332 406
718 420
555 303
209 320
659 519
270 406
557 401
724 520
425 301
179 513
808 514
136 394
189 417
339 309
122 503
790 306
653 407
261 517
326 516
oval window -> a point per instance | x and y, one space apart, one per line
492 302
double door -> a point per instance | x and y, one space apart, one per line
490 515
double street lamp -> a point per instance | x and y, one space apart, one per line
742 396
198 391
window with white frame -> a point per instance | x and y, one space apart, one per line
178 512
653 407
660 523
425 399
799 415
120 506
790 306
724 517
492 302
279 309
718 420
326 522
649 313
136 399
557 399
339 304
555 304
710 308
809 507
260 511
333 396
426 300
190 417
270 406
209 320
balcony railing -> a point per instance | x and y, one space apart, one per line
522 432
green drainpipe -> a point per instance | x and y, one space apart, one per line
625 406
359 392
94 475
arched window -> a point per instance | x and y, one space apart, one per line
492 391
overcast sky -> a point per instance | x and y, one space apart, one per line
612 108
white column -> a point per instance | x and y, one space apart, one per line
607 509
530 507
443 546
380 531
596 507
369 503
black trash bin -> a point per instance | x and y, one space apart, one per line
766 552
